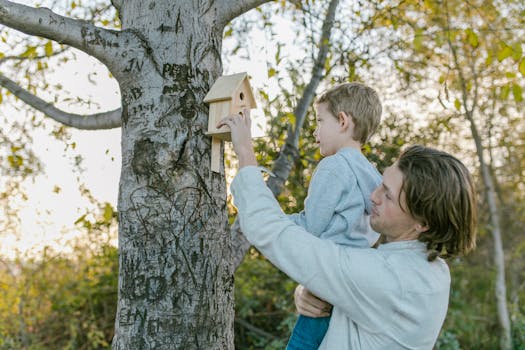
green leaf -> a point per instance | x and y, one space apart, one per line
472 38
15 161
489 59
418 39
48 48
271 72
504 94
264 95
522 67
517 92
228 33
30 52
291 118
80 219
505 52
457 104
517 52
108 213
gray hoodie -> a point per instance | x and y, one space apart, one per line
338 199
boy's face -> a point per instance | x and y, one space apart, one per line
328 131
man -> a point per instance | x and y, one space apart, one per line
392 297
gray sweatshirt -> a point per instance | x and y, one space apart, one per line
385 298
338 197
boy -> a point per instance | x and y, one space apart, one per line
338 201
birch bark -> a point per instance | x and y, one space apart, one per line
494 211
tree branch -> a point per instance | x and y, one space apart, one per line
289 153
20 58
101 43
98 121
228 9
116 4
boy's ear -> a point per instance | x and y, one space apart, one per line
344 120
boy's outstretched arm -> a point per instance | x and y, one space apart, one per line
240 126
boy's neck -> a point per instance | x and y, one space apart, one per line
351 144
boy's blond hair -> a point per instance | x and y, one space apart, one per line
358 101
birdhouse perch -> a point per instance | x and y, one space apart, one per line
230 94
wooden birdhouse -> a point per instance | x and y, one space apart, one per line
230 94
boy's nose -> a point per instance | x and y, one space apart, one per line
373 196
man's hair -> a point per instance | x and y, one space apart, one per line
359 102
440 194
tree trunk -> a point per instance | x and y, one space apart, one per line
490 195
176 277
499 255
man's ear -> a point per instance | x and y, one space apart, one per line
421 227
344 120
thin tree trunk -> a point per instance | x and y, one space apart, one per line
490 195
499 255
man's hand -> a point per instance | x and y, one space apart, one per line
309 305
240 127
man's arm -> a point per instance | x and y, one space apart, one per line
357 280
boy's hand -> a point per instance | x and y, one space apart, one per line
309 305
240 127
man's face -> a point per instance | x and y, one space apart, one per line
387 216
328 131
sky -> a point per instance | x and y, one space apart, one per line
47 217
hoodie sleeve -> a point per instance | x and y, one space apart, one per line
357 280
325 194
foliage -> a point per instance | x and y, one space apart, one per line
57 301
263 305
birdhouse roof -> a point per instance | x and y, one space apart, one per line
225 87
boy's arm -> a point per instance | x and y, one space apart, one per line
324 195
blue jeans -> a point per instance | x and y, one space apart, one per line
308 333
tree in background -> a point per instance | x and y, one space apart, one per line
474 52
